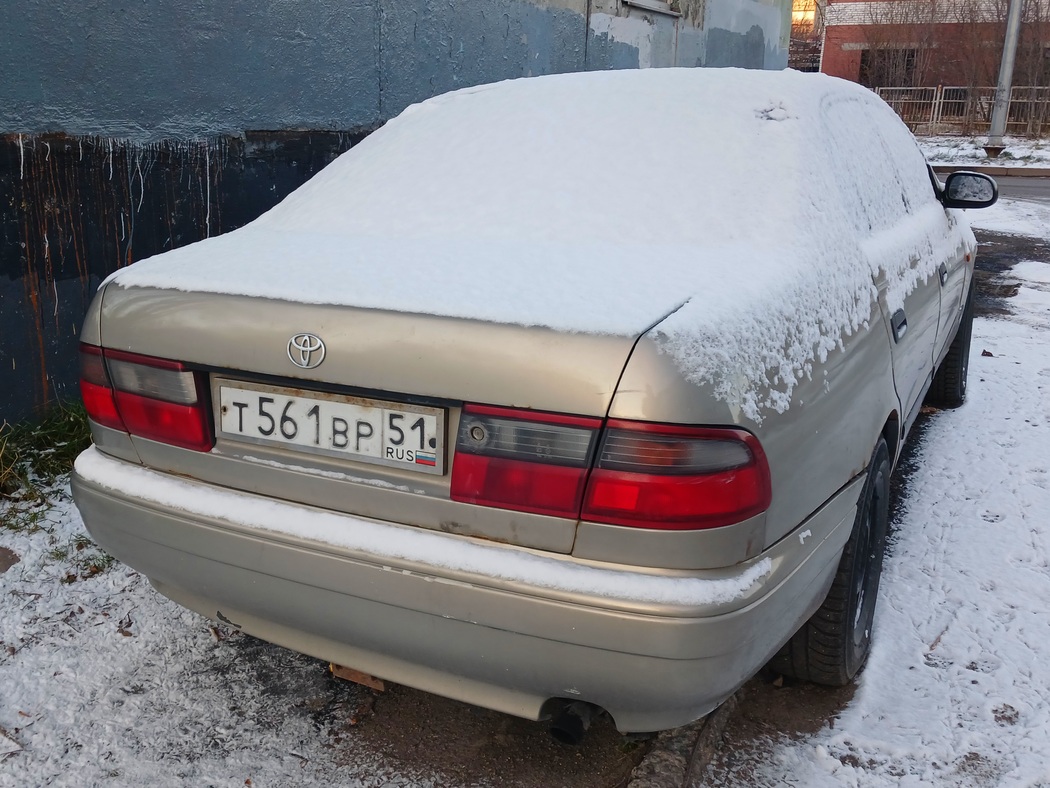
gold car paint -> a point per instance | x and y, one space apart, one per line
652 666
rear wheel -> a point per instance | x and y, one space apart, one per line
833 645
949 384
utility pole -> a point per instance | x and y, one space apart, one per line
1006 75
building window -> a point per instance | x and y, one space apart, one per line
804 52
883 67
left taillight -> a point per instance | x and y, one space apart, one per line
148 397
96 389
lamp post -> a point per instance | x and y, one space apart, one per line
1006 74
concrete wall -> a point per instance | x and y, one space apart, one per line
129 127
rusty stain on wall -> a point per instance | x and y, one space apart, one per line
75 209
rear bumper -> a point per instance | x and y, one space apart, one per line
493 625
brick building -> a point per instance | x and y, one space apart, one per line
926 43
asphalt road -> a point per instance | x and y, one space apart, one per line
1035 189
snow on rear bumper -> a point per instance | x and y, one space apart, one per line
495 625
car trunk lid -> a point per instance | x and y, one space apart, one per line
422 363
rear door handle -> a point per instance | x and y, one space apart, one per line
943 272
899 322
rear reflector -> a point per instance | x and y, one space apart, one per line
524 486
523 460
148 397
643 475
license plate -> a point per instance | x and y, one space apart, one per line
355 428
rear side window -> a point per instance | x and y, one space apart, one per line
904 153
880 173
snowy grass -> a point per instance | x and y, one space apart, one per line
103 681
35 459
34 454
1020 151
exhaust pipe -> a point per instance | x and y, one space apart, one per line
571 721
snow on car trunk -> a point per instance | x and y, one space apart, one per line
598 203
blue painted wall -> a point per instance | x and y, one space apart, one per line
128 127
176 69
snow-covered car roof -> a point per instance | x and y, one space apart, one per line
602 202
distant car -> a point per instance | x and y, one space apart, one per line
562 392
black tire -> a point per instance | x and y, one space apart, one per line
949 384
833 645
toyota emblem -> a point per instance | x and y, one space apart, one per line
306 350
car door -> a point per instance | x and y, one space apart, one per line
883 182
912 328
953 274
932 310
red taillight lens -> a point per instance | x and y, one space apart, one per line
167 422
642 475
96 390
149 397
676 478
525 486
530 462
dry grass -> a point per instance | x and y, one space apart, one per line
33 455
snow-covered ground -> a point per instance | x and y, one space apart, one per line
102 681
1020 151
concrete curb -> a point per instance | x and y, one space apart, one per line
678 757
995 170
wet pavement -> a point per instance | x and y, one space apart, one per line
996 254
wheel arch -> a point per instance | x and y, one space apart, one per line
891 431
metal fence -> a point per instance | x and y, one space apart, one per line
950 110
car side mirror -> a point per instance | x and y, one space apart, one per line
969 190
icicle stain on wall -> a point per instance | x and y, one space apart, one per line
74 209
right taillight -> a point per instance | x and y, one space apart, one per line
638 474
677 478
523 460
